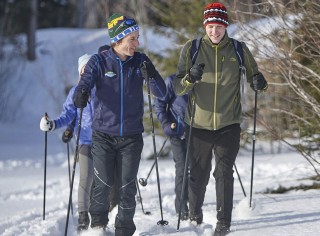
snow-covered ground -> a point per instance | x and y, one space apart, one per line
40 89
22 192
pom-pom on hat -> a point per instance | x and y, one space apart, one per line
215 13
120 26
82 61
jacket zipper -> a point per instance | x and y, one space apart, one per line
215 91
121 99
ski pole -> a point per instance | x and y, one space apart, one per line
235 167
143 181
69 173
140 199
253 142
45 171
161 222
186 164
193 111
73 171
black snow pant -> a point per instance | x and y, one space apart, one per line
114 193
123 154
178 147
225 143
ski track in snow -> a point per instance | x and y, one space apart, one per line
268 212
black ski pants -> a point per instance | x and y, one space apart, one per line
225 143
122 154
179 149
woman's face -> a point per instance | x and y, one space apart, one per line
215 32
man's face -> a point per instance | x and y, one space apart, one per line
215 32
129 44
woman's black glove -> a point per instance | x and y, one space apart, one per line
67 135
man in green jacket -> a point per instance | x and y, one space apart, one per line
213 84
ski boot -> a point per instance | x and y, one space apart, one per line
222 229
83 221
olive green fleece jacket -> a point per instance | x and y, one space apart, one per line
217 94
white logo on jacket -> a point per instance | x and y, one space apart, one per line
109 74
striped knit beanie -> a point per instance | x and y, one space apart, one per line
120 26
215 13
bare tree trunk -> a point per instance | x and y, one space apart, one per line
31 36
107 9
81 10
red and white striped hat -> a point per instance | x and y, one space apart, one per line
215 13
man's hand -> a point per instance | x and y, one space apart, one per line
80 98
195 73
259 83
148 70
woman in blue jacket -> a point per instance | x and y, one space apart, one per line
70 116
170 111
118 75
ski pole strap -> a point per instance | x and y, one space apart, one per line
243 77
195 45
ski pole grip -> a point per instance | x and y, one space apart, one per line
202 65
144 72
144 64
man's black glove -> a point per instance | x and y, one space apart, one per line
259 83
67 135
80 98
195 73
148 70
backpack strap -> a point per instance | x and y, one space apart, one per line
195 49
239 52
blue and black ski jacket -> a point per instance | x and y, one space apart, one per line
119 99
